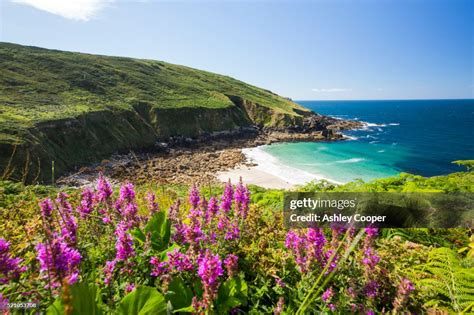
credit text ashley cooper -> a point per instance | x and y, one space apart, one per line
309 203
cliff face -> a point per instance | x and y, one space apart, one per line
75 109
92 136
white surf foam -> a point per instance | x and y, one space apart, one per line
269 164
368 124
349 137
353 160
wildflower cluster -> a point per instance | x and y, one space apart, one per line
192 252
309 249
10 268
317 251
403 292
208 229
58 256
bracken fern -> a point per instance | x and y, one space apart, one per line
447 282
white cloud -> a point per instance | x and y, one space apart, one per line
79 10
331 90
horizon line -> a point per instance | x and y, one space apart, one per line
217 73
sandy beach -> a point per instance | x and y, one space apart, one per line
254 176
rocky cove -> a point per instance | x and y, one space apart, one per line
185 160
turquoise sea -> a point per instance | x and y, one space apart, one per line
416 136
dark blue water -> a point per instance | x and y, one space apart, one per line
432 133
420 137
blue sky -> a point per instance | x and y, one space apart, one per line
301 49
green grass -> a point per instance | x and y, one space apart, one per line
38 85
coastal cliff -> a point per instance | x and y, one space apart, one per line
76 109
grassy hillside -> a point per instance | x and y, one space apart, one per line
38 85
77 108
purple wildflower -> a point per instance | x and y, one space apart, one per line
104 189
327 255
179 261
242 199
370 258
198 305
109 271
174 211
68 221
223 222
371 288
316 242
327 295
87 203
3 303
227 196
231 264
194 235
159 267
46 207
332 307
194 197
280 305
124 242
181 232
130 213
297 244
209 270
292 240
151 203
212 209
280 282
233 232
127 193
129 287
404 289
371 232
9 266
58 261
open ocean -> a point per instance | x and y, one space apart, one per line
420 137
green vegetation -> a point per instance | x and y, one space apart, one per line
38 85
467 163
74 108
408 270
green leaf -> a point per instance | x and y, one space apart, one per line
164 254
179 294
83 301
56 308
188 309
138 235
231 294
143 300
160 229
